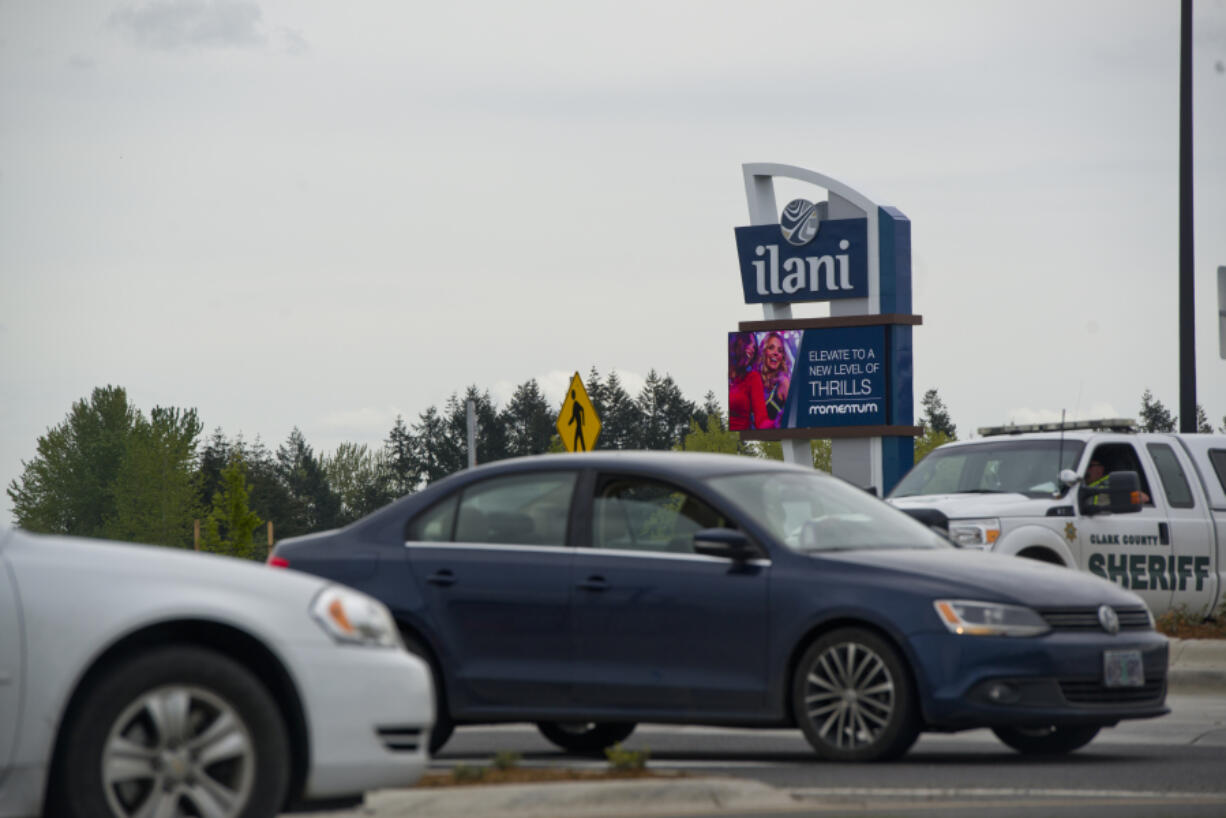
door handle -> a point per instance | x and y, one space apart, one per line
443 578
594 583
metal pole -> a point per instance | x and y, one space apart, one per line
1187 281
471 409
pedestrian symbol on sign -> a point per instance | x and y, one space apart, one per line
578 425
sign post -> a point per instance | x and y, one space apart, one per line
578 424
847 377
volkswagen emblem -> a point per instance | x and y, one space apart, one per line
1108 619
799 222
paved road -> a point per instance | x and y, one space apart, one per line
1168 766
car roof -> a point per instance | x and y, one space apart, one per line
683 464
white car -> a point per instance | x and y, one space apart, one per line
145 681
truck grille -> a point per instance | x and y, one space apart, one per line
1086 619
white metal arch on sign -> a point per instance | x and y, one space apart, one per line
844 202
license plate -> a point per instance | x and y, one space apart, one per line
1123 668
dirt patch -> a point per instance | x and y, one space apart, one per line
532 775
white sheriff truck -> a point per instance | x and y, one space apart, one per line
1156 525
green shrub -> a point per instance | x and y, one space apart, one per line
506 760
623 760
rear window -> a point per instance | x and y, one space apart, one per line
1218 458
1174 482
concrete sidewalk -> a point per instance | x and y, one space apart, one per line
1198 666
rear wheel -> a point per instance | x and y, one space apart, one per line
178 730
585 736
853 698
1055 739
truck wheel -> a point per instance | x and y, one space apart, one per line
853 697
173 731
1053 740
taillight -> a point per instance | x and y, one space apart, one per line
277 562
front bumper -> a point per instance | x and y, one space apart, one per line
369 712
1052 679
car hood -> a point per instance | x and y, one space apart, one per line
989 577
964 506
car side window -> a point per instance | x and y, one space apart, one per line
522 509
1174 482
435 524
637 514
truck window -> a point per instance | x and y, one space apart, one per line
1122 457
1030 467
1174 482
1218 458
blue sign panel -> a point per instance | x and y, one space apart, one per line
810 379
832 264
842 377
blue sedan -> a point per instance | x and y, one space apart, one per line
588 593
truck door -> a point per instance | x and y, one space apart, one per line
11 657
1133 550
1192 572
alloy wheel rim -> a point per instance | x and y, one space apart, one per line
178 750
849 696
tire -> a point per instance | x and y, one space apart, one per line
174 726
853 697
443 727
585 736
1053 740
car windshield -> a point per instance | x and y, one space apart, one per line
1030 467
816 512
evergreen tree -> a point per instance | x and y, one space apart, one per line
1154 416
69 486
620 416
156 490
528 421
435 449
1203 426
404 472
230 527
214 458
664 413
316 506
936 416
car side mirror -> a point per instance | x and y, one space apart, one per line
726 543
1068 477
1121 495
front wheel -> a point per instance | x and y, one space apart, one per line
853 698
585 736
174 731
1055 739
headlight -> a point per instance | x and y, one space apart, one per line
981 533
354 618
989 618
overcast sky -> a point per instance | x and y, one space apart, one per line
317 214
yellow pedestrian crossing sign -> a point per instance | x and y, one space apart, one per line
578 424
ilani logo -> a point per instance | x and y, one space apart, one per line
817 260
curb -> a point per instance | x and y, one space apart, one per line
684 796
1197 666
